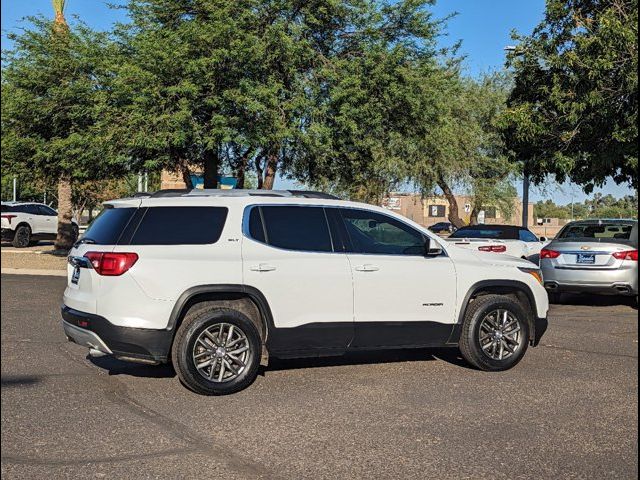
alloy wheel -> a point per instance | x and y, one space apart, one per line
221 352
500 334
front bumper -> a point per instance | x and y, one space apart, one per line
133 344
7 234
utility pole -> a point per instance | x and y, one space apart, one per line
140 182
15 187
146 181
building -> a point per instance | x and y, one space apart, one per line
433 209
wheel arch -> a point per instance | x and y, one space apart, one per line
222 293
520 290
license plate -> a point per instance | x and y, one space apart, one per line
588 258
75 276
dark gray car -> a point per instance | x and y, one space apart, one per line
593 256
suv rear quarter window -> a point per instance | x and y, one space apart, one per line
107 227
180 226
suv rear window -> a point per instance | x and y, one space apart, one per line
609 232
107 227
180 226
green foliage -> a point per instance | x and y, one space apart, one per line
574 109
599 206
51 83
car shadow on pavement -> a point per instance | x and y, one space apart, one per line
449 355
113 366
13 381
590 300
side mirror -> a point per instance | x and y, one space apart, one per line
431 249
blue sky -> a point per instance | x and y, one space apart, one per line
483 26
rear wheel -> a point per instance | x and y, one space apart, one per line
217 352
22 236
495 333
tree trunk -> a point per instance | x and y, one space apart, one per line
270 173
473 218
211 163
186 175
65 236
454 216
259 171
240 171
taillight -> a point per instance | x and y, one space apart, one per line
493 248
546 253
627 255
9 217
111 264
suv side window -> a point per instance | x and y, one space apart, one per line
49 212
527 236
32 209
374 233
180 226
298 228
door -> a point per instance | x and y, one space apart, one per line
288 255
401 296
48 219
35 218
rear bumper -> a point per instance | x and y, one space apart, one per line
618 281
134 344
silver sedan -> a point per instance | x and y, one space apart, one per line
593 256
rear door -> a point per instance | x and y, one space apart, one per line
49 219
288 255
401 296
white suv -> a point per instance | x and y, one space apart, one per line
214 281
25 223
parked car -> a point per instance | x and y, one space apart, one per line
213 281
443 227
25 223
593 256
507 239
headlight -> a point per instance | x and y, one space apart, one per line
534 272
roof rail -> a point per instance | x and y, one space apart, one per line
217 192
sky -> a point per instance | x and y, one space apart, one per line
483 26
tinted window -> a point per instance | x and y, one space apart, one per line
107 227
527 236
44 210
490 233
617 232
297 228
256 231
371 232
180 226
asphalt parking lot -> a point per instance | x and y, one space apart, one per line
568 410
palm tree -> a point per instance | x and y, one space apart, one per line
66 234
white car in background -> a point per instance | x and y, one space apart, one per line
507 239
25 223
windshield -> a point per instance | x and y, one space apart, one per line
609 232
489 233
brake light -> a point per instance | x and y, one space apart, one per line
111 264
546 253
627 255
493 248
9 217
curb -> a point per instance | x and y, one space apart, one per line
33 271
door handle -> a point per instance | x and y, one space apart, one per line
263 267
367 268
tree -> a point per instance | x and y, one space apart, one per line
50 79
573 111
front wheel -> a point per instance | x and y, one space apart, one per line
217 352
495 333
22 237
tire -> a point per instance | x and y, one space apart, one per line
475 334
186 346
22 236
